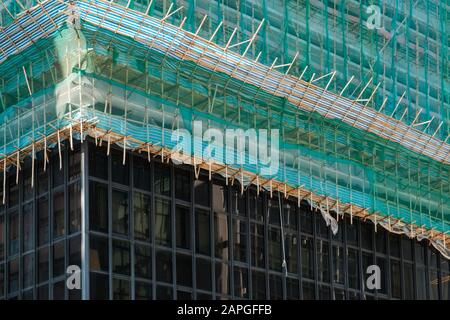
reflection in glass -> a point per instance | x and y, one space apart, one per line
98 206
121 257
162 179
240 240
202 232
203 274
58 214
58 259
75 207
183 227
120 214
163 223
141 212
164 266
27 228
241 282
222 278
142 262
98 254
121 289
13 230
257 245
221 235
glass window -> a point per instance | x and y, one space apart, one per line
382 263
394 243
164 266
43 268
238 203
120 172
2 279
421 282
306 222
307 250
121 257
275 287
292 289
353 268
396 285
308 290
258 285
143 291
407 247
74 162
241 282
98 254
183 227
352 232
202 232
163 222
13 194
184 270
221 235
75 251
98 162
338 265
219 198
42 292
367 231
291 251
275 258
380 238
240 240
203 274
58 259
2 237
164 293
323 265
26 174
13 230
257 245
13 276
57 172
433 284
408 280
321 226
58 214
256 206
201 191
142 261
338 294
222 279
28 270
59 290
162 179
28 227
43 224
324 292
28 294
141 173
183 295
183 185
290 215
120 220
74 207
367 260
121 289
99 286
141 212
274 212
42 176
98 206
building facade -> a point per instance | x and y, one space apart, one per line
153 231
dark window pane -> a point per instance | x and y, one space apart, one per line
240 237
43 267
219 198
164 266
28 270
380 238
183 227
42 292
142 262
290 215
323 266
121 289
256 206
163 222
396 277
182 295
28 295
275 256
184 270
99 286
275 287
98 206
183 185
258 285
143 291
382 263
58 214
74 207
13 230
75 251
338 265
57 172
141 173
98 254
367 231
164 293
2 237
433 284
43 223
409 281
238 203
74 162
222 279
307 257
26 173
74 294
203 274
13 194
221 242
58 259
121 257
141 212
352 232
394 243
321 226
407 247
120 220
274 212
324 292
202 232
339 294
292 289
353 269
162 179
241 282
42 176
98 162
120 172
28 227
2 279
291 249
257 245
201 191
421 282
59 290
367 260
13 276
